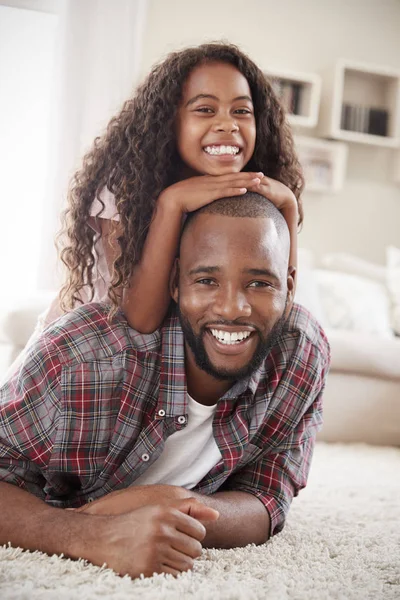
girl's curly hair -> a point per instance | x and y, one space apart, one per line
137 158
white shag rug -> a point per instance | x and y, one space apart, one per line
341 541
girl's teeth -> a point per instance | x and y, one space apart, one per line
225 337
218 150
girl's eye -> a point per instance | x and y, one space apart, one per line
204 109
243 111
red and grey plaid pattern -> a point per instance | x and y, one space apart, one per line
91 406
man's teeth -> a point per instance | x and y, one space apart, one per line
225 337
222 150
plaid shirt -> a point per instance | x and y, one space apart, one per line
91 406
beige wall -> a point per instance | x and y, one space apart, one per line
307 35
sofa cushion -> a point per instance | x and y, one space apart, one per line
353 265
393 284
18 317
365 354
354 303
361 409
307 291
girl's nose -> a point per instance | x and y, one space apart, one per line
227 125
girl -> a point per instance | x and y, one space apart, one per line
205 124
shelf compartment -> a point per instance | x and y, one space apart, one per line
324 163
361 103
299 94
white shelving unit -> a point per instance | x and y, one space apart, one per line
354 101
323 162
396 167
300 94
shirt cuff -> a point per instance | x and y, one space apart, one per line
276 513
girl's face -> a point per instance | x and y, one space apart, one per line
216 128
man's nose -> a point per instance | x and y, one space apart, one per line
231 304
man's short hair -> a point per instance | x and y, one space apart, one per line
249 204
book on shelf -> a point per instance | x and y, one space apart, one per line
365 119
317 172
289 94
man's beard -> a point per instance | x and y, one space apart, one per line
196 344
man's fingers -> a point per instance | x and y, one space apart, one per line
186 545
179 560
197 510
201 512
188 524
170 570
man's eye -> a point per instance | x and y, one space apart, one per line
259 284
206 281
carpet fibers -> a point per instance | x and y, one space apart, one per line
341 541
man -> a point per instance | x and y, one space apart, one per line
197 435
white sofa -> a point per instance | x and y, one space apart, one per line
362 395
357 303
18 318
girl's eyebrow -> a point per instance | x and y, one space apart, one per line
201 96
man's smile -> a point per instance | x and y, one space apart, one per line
227 337
239 341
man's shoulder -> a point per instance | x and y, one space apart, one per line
88 333
303 326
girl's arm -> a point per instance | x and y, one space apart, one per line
284 199
146 299
291 216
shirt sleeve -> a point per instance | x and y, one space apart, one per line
103 207
281 471
29 408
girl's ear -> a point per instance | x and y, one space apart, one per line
174 281
291 287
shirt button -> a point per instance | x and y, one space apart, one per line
181 420
161 413
145 457
90 499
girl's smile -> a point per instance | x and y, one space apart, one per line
216 128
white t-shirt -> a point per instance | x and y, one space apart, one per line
189 454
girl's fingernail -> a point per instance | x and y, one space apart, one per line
243 190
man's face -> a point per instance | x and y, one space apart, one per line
233 292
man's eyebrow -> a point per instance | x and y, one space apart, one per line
262 273
204 269
209 270
201 96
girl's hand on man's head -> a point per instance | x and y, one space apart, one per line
275 191
193 193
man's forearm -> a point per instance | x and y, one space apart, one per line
28 522
243 520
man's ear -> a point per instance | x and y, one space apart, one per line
174 281
291 286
